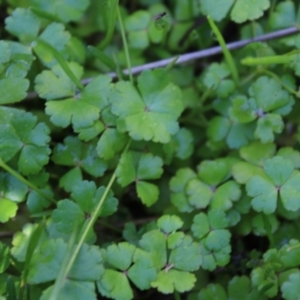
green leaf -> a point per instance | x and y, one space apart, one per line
154 242
251 154
167 282
266 125
73 290
283 16
243 10
12 189
169 224
83 109
291 288
213 172
215 78
136 25
21 134
264 194
67 216
47 260
182 144
243 110
187 256
13 90
5 259
142 272
225 195
8 209
149 167
199 194
281 179
55 36
114 284
23 24
76 153
211 292
64 10
268 95
210 230
178 185
120 256
153 114
56 84
134 167
217 12
87 196
147 192
240 288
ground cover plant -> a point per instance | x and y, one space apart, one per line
178 182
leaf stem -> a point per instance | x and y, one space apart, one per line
25 181
92 220
227 54
125 44
285 86
62 63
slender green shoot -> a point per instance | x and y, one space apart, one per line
91 221
61 61
227 54
125 44
25 181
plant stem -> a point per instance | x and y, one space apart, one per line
25 181
125 44
227 54
91 221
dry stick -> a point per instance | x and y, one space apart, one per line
196 55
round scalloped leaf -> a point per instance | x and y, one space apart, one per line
114 284
56 84
257 153
75 153
149 167
120 256
67 216
65 10
142 272
226 194
279 170
178 186
187 256
72 290
24 24
213 172
268 94
201 226
264 194
147 192
267 126
13 89
291 289
212 292
243 10
291 154
87 197
21 133
216 240
169 224
167 282
154 242
8 209
152 114
199 194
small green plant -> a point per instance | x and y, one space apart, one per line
180 181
